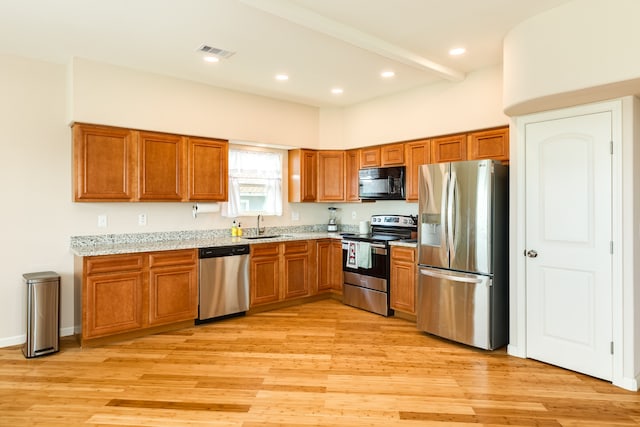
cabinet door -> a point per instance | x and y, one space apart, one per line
449 149
173 295
161 166
302 175
489 144
264 274
104 163
336 265
351 172
331 176
392 155
369 157
208 174
296 274
112 303
417 154
323 250
403 279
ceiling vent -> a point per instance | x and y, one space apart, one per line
220 53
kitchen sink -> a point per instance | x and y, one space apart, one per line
270 236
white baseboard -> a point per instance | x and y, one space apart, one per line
21 339
630 384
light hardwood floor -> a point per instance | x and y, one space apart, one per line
318 364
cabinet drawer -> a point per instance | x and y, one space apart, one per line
114 263
296 247
403 254
165 258
266 249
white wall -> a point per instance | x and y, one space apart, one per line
580 52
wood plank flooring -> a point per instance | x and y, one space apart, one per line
318 364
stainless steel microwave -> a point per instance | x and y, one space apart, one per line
381 183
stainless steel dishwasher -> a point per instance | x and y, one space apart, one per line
223 282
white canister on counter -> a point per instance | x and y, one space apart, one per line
364 227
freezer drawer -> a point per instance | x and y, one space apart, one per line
457 306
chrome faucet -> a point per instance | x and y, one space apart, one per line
260 231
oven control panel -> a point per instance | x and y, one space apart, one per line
395 220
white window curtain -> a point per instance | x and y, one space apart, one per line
258 172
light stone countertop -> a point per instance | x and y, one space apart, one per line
405 243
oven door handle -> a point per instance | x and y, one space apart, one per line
376 248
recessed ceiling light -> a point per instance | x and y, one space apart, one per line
457 51
337 91
282 77
387 74
210 58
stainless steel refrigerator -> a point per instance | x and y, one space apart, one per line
463 252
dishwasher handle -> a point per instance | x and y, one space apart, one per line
221 251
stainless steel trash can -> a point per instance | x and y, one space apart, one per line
43 313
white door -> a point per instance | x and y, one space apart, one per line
568 241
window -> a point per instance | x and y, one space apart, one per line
255 183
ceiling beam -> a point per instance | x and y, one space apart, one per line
309 19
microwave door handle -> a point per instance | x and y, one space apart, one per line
390 184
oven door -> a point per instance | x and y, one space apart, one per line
379 261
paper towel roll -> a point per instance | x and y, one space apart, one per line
364 227
200 208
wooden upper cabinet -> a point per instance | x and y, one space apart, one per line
489 144
104 162
303 175
451 148
351 175
392 155
370 157
161 166
331 176
417 153
208 169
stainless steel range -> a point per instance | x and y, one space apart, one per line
365 262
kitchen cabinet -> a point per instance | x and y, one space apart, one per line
264 273
392 155
331 176
417 153
403 279
452 148
161 167
351 172
134 292
296 269
303 175
104 163
329 256
281 271
370 157
124 165
208 161
489 144
173 286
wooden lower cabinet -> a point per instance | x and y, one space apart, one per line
329 256
403 279
133 292
282 271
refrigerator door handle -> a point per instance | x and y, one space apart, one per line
438 275
451 205
443 218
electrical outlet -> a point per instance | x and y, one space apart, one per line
295 216
102 221
353 215
142 219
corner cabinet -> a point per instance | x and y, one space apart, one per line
352 183
134 293
403 279
331 176
104 163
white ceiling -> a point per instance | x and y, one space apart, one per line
320 44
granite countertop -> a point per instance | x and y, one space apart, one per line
150 242
409 243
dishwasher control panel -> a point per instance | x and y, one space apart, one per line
220 251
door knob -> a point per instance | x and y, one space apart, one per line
532 254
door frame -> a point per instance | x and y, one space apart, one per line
623 375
